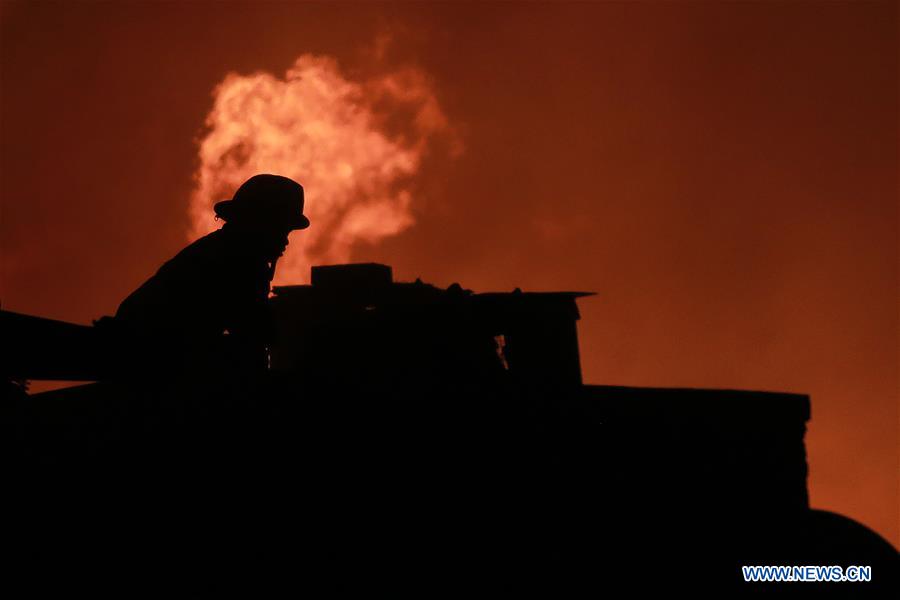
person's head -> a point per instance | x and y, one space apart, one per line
265 209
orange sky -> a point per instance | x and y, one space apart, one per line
725 175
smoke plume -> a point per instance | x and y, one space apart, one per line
354 145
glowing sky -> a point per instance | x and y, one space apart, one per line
723 174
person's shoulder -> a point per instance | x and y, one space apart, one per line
210 246
206 252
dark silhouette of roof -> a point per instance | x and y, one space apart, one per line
407 438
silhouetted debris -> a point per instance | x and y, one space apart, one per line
353 318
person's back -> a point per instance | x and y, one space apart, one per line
205 290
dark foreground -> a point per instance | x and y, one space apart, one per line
407 440
333 488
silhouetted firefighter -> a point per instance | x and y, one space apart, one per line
208 305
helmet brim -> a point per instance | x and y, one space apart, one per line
228 210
